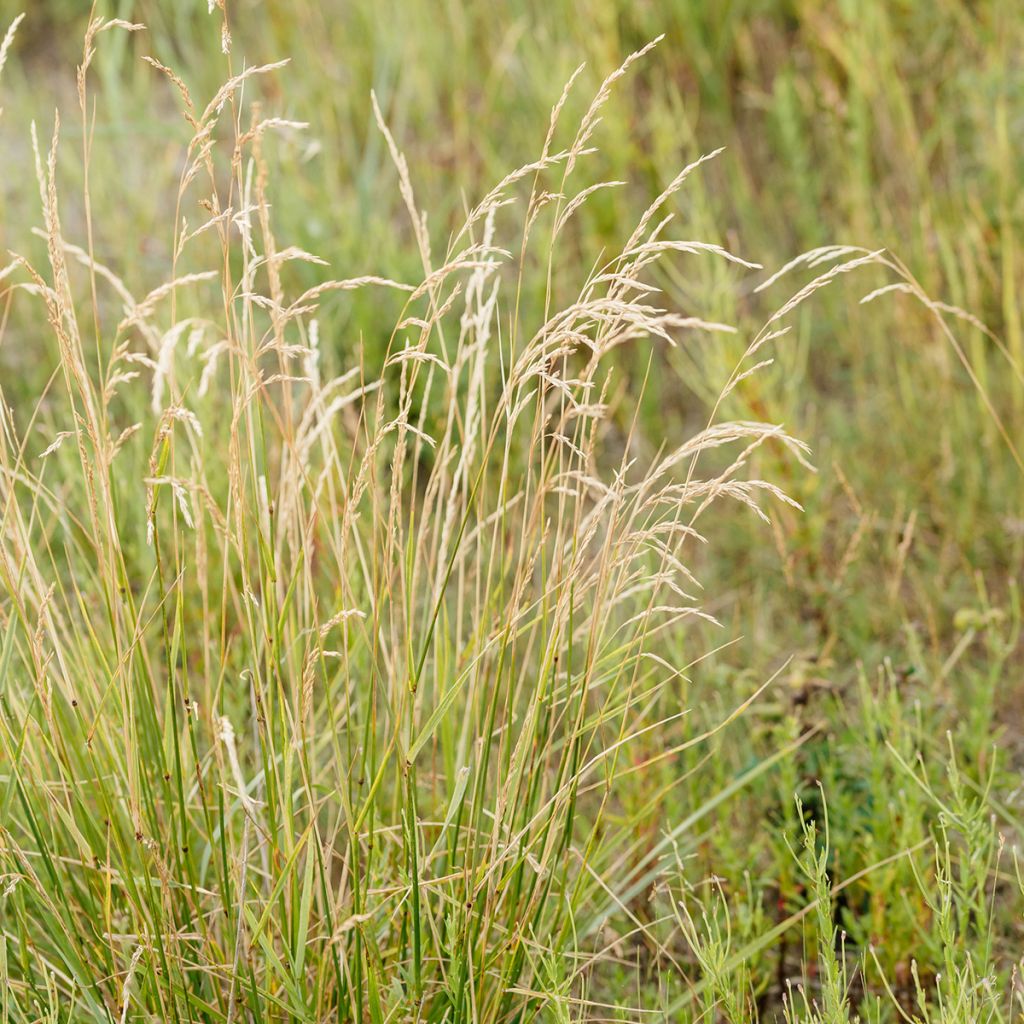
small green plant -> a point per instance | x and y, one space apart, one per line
961 897
832 1004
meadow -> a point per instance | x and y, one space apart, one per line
511 512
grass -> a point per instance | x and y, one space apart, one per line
458 629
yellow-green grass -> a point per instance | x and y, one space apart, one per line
352 666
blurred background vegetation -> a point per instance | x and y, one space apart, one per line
867 122
882 123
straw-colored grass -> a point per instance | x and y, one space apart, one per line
348 677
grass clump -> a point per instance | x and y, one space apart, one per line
321 688
354 660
